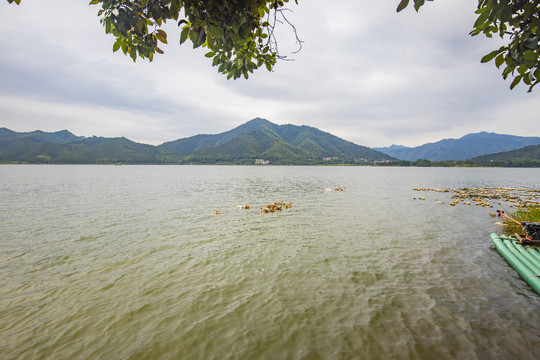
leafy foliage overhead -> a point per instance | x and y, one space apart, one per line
518 22
239 34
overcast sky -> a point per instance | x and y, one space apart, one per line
365 73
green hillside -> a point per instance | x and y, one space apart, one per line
14 145
6 134
526 157
281 144
99 150
244 149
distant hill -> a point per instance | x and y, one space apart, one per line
280 144
526 156
256 139
60 137
13 144
392 147
98 150
464 148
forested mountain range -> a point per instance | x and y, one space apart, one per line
256 139
259 139
464 148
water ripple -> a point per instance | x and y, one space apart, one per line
131 263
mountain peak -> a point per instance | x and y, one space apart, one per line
258 120
256 123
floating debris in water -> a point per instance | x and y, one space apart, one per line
337 188
277 206
486 196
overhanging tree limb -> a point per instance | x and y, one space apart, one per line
237 33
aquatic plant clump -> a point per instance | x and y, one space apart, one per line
524 214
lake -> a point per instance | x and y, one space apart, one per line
131 262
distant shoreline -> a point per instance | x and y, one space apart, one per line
437 164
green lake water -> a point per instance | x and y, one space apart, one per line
130 262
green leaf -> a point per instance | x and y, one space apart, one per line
162 36
530 55
516 81
184 35
107 25
489 56
209 54
537 74
499 60
199 39
481 19
133 54
116 45
402 5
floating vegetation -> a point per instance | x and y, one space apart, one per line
337 188
489 196
277 206
268 208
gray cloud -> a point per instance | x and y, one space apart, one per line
365 73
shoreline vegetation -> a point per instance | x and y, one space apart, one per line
516 163
528 213
466 163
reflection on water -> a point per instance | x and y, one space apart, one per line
131 262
